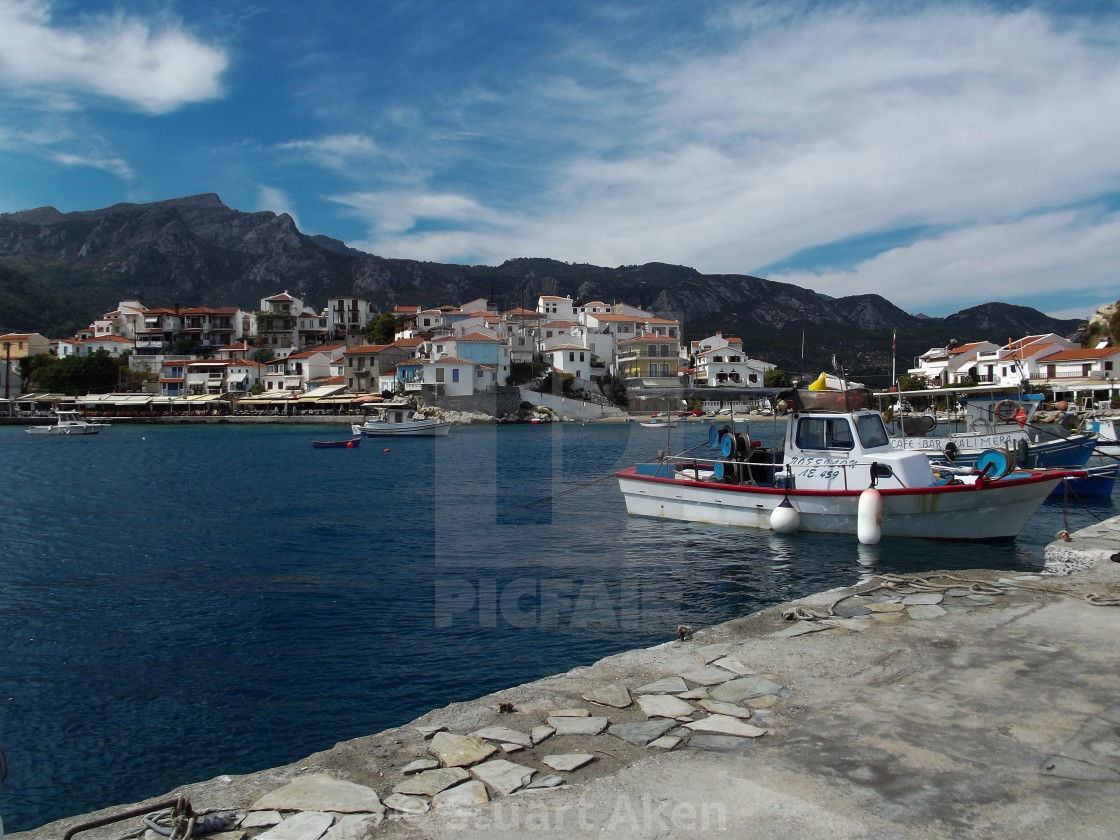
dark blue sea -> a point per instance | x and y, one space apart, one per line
181 602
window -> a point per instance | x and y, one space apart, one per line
454 374
581 356
571 356
439 374
824 433
664 369
871 431
480 373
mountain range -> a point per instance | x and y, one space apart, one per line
60 270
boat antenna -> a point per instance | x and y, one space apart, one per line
801 375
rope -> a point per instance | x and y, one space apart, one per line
932 584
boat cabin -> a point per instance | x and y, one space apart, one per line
833 441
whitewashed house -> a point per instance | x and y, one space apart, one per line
952 364
1016 362
1087 369
570 358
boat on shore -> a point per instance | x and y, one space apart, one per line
352 443
68 423
399 419
838 472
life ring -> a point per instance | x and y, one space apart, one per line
1005 410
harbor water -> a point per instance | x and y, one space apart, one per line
182 602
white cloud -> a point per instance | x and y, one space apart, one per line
114 165
336 151
394 214
118 57
1021 259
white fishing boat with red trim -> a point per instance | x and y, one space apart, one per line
835 471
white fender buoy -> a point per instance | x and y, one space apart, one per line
784 519
869 516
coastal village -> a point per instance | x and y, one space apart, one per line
287 359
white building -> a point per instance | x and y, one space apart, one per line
952 364
1017 362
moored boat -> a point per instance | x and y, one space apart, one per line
1098 482
1107 430
838 473
352 443
68 423
995 422
400 419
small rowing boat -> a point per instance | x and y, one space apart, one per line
337 444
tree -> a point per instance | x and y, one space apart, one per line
74 375
263 356
382 329
906 382
776 379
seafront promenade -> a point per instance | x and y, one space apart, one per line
979 704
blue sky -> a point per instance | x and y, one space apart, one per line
940 154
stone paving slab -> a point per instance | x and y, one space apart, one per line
459 750
503 776
431 782
320 792
664 705
615 695
668 685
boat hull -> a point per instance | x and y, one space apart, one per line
993 510
91 429
1098 483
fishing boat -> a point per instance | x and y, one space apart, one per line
1107 430
659 422
68 423
837 473
1099 481
995 422
352 443
399 419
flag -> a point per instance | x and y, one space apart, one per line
894 341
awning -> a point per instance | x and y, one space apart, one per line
322 391
270 397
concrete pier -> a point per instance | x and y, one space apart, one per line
978 704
